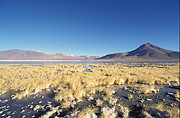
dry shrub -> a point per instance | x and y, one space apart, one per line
72 78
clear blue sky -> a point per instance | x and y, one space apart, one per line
88 27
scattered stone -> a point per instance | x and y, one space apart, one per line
149 99
1 112
33 116
127 88
5 110
174 84
22 111
23 116
154 91
47 89
175 87
90 98
123 112
144 114
51 112
141 100
90 115
130 97
171 94
108 112
4 101
37 107
12 96
174 95
158 114
13 112
31 106
135 110
173 104
99 102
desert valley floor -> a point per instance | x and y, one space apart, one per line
102 90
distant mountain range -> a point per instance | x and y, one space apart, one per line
17 54
144 52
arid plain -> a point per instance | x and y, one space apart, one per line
90 90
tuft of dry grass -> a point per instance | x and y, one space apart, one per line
70 78
173 111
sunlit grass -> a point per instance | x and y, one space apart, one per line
35 78
73 83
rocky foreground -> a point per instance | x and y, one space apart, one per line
90 91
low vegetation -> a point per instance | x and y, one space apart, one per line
73 83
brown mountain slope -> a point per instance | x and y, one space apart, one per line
32 54
145 51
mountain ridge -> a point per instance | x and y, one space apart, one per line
18 54
145 51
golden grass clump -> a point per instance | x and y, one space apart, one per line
172 111
28 79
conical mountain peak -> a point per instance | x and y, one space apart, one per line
145 51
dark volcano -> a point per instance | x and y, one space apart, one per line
145 51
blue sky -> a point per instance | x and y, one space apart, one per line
88 27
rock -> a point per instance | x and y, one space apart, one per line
149 99
99 102
51 112
22 111
31 106
141 100
135 110
130 90
37 107
1 112
175 87
4 101
13 112
174 95
158 114
107 112
174 83
130 97
91 98
171 94
47 89
23 116
155 91
123 112
90 115
144 114
127 88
